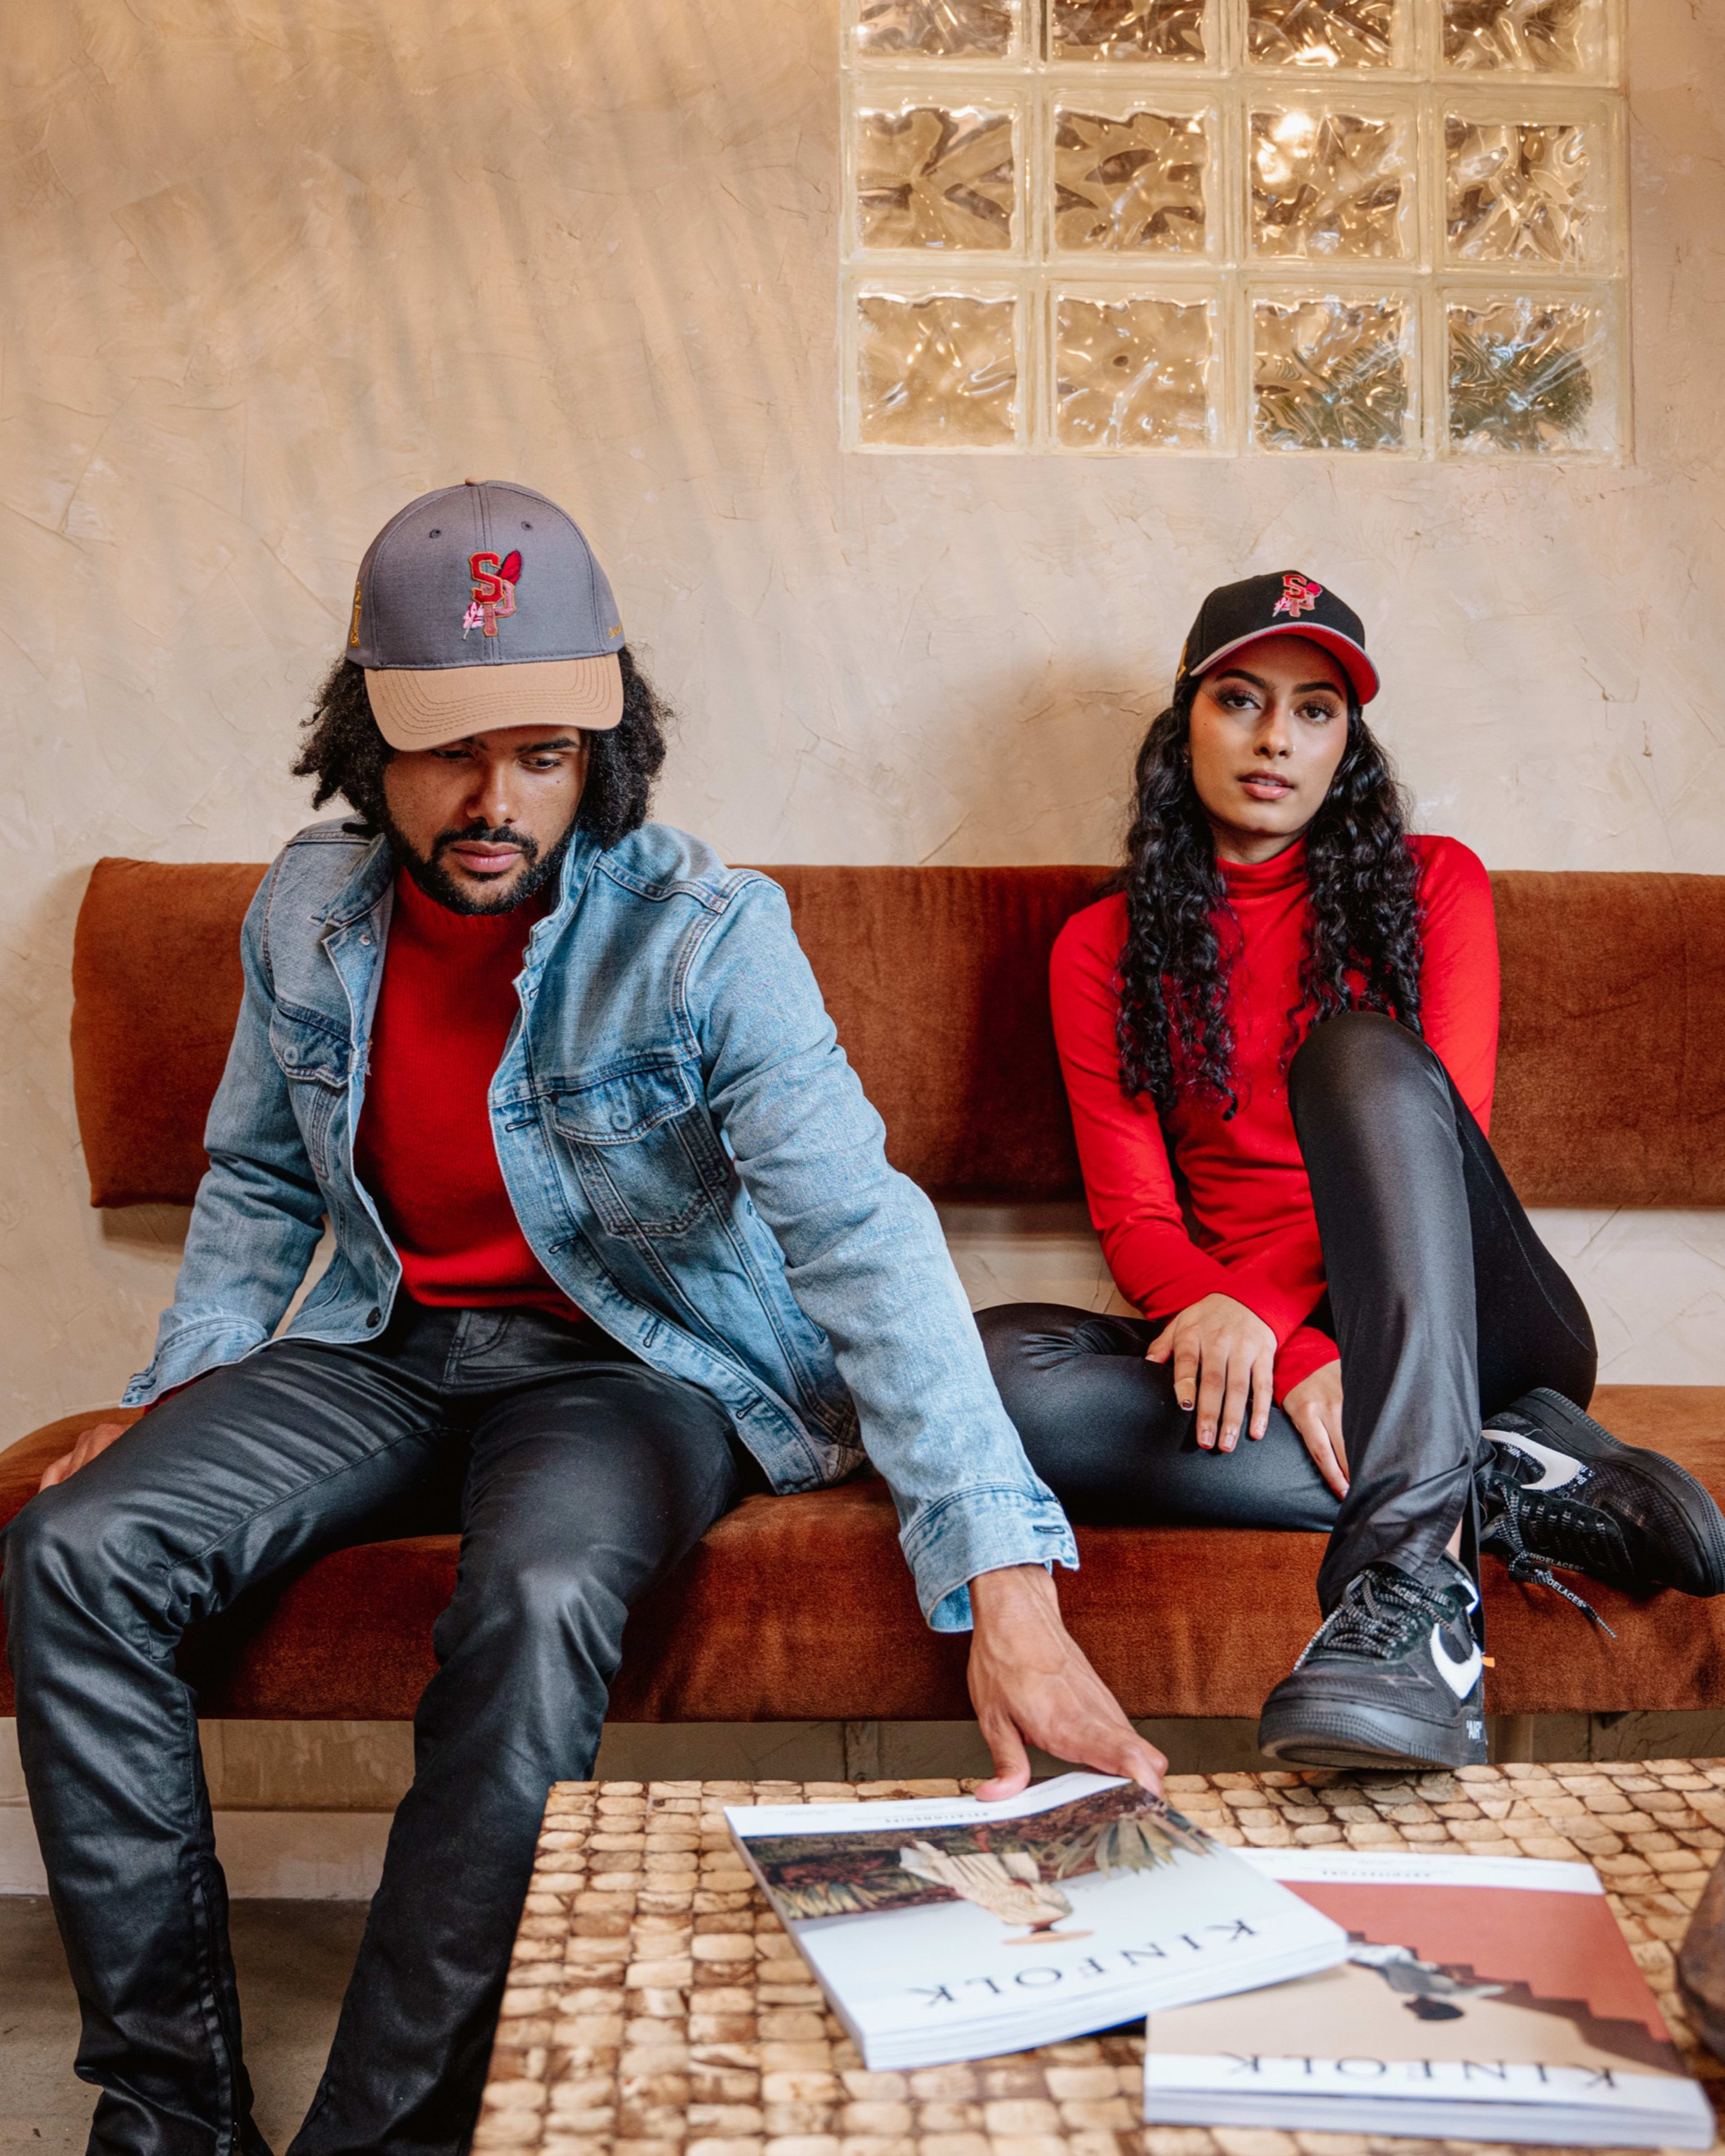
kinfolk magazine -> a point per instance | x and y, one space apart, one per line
943 1929
1484 1999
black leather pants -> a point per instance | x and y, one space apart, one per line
1445 1304
578 1477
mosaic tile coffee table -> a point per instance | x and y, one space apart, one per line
656 2008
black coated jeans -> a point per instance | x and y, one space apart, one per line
1444 1303
578 1477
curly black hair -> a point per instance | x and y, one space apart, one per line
1362 941
344 751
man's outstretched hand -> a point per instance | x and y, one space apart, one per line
1030 1685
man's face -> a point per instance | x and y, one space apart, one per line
479 824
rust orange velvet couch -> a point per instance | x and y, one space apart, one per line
1611 1092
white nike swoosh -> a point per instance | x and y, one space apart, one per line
1557 1468
1460 1676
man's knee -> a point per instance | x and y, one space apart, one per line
561 1603
69 1549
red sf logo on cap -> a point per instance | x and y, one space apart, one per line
1299 595
494 584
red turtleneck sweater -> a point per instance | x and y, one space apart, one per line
425 1150
1247 1228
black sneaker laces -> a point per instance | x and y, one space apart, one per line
1567 1532
1380 1612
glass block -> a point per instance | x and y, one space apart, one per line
1529 375
935 29
930 176
1133 372
1328 183
1526 36
937 370
1332 372
1133 182
1524 191
1321 33
1129 30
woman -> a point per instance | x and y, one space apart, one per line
1278 1034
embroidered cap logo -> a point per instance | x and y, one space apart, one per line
494 584
1299 595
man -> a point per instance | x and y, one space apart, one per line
616 1242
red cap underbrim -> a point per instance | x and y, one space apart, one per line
1358 669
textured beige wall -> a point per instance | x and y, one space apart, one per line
269 269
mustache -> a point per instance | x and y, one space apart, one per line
492 834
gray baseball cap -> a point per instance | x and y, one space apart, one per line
481 606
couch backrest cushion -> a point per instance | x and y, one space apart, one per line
1611 1084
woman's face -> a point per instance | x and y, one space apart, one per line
1268 730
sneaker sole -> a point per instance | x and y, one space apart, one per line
1330 1736
1588 1440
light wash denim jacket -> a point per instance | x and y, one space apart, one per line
689 1153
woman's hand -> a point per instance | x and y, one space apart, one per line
96 1439
1314 1407
1221 1351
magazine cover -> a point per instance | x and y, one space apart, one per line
944 1929
1490 1999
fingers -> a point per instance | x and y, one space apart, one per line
1263 1390
1187 1364
1031 1684
1163 1346
1012 1762
1212 1383
1234 1398
1132 1758
1318 1442
95 1439
1324 1453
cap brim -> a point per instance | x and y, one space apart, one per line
430 707
1358 669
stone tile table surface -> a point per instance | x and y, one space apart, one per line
655 2006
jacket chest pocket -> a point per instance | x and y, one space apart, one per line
644 1149
314 1059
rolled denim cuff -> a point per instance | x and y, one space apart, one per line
187 1351
978 1531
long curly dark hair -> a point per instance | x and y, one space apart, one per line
1362 941
343 751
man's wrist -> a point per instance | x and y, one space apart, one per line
1009 1584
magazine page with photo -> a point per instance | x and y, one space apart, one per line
1490 1999
944 1928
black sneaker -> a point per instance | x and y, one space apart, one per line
1393 1677
1555 1489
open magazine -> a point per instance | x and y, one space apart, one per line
943 1929
1483 1999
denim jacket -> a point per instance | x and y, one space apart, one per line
691 1158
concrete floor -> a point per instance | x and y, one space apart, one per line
293 1958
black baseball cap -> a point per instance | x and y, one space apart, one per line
1286 603
483 606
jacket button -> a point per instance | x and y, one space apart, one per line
374 1317
619 1122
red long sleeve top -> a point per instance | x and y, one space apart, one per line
425 1148
1245 1228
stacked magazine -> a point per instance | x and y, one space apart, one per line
1482 1999
944 1929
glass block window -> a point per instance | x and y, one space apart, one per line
1385 227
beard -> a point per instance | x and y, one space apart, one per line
434 877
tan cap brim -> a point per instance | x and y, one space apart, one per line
428 708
